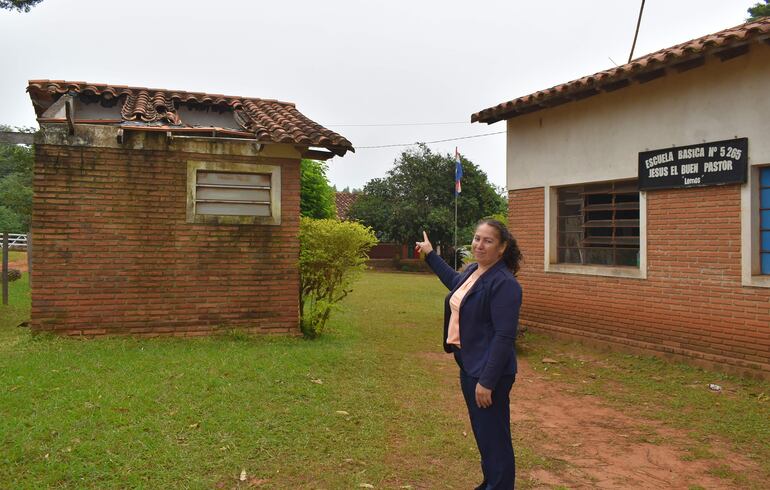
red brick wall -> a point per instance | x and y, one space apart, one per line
386 251
692 303
113 252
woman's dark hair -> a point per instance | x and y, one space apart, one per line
512 255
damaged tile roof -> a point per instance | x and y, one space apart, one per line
268 121
691 54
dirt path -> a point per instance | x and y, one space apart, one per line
20 264
590 445
565 439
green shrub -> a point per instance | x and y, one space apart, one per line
332 254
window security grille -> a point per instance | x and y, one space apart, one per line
599 224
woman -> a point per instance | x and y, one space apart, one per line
481 315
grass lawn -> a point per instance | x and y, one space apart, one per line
17 310
354 407
16 255
366 403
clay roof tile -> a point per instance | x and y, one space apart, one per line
734 36
268 120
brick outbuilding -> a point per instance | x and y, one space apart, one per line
640 196
161 212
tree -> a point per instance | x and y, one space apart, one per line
18 5
16 198
418 194
9 221
15 185
759 10
316 195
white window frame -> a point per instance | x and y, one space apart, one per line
193 166
751 275
551 264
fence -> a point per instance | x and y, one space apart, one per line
8 241
17 241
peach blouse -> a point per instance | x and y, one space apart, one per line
453 333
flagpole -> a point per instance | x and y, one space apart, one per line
456 196
458 176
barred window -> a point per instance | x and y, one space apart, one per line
764 220
598 224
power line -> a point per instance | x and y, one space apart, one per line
429 142
396 124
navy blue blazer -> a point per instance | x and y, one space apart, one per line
489 319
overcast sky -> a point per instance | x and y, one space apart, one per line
370 70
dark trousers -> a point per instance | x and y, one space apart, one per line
492 429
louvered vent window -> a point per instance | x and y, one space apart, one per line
598 224
232 194
229 193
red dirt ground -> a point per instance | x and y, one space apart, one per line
20 264
595 446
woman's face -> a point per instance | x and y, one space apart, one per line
487 246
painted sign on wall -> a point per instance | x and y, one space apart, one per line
718 162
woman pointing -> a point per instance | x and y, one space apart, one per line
481 316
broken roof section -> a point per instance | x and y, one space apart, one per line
149 109
725 44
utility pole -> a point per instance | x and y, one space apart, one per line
638 23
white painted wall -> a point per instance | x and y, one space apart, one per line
599 138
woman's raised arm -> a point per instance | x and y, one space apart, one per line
448 276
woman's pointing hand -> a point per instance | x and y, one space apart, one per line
423 246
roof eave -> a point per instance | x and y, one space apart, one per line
640 70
